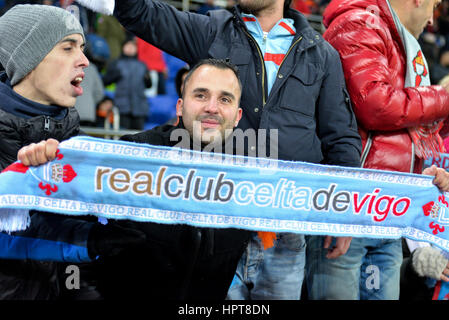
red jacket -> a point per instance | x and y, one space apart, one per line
374 63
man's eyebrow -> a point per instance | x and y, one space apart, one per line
72 40
223 93
228 94
200 90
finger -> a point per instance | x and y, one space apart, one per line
51 148
30 154
21 156
444 278
446 271
346 242
430 171
327 242
334 253
441 179
40 153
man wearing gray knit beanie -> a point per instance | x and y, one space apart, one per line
41 50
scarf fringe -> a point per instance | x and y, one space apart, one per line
14 219
101 6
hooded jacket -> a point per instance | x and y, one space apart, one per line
50 237
374 64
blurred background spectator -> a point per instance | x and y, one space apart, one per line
154 60
132 78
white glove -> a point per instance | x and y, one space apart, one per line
428 262
101 6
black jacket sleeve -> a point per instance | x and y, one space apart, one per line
182 34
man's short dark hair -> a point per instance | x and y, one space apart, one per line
178 79
217 63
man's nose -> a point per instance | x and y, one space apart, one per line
212 106
83 61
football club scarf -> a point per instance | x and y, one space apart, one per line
125 180
426 138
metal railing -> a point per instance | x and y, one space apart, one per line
109 131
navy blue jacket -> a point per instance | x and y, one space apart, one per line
308 104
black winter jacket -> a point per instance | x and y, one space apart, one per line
308 103
23 122
178 261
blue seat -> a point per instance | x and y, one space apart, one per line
173 65
162 108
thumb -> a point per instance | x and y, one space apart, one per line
430 171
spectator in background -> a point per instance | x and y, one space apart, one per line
110 29
93 93
422 267
179 79
132 78
443 19
98 49
179 85
440 68
154 59
105 113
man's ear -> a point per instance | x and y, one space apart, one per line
179 107
238 117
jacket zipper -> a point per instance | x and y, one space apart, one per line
290 49
368 145
262 61
46 126
412 161
365 152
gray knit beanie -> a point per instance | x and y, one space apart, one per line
28 33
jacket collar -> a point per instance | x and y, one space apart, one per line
309 36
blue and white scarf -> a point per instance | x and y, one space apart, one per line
124 180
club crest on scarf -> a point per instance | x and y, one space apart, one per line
420 68
48 175
439 214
